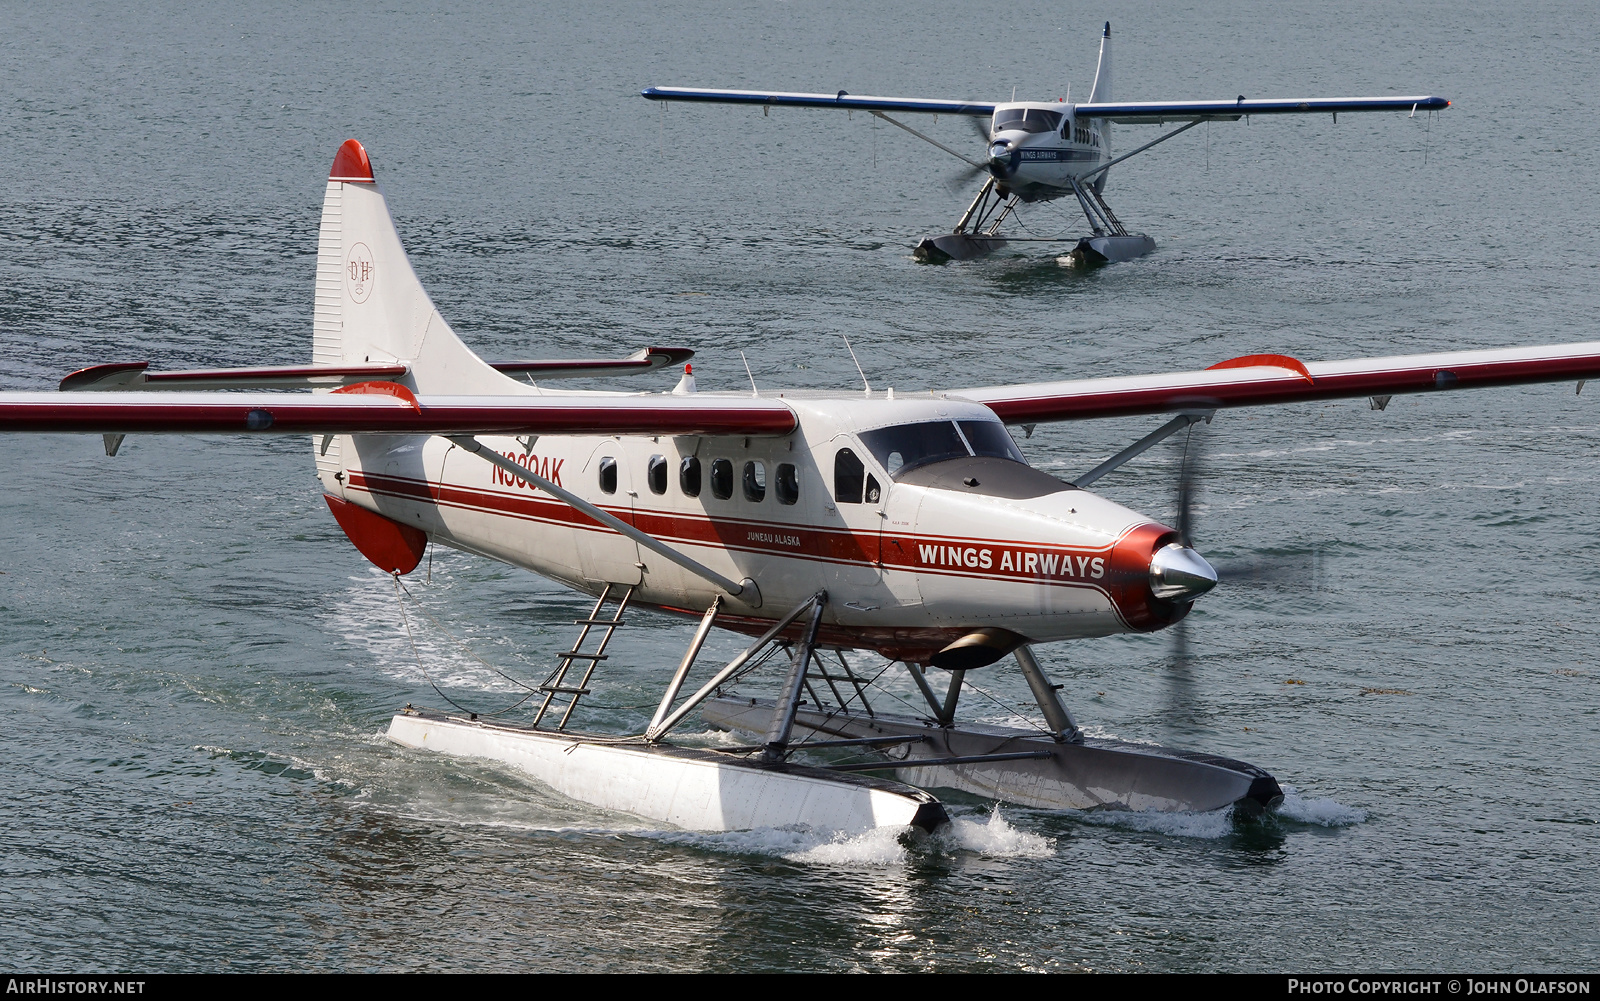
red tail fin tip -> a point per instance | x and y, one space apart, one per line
351 164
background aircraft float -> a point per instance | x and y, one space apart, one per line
1036 151
909 525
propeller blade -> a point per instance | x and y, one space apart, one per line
1188 485
961 175
1282 571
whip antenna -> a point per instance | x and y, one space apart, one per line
853 358
753 390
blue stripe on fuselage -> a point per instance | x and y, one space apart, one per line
1058 155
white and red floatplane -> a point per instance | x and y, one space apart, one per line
909 525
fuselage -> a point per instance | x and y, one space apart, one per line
918 516
1036 149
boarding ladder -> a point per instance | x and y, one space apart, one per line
558 683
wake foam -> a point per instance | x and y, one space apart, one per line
1209 826
879 848
884 847
1321 812
996 837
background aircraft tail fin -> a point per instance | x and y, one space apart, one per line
1101 91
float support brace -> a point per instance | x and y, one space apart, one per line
660 730
777 742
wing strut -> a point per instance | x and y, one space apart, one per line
1139 447
902 125
746 589
1112 163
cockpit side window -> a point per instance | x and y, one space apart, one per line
849 473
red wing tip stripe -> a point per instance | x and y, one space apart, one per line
1267 361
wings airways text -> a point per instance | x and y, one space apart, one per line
1025 561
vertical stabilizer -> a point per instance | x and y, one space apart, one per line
370 305
1101 91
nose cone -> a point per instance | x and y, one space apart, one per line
1178 573
1002 165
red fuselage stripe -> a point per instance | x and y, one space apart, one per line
812 544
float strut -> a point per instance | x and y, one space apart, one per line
682 673
1062 726
777 742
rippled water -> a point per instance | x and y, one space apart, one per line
198 667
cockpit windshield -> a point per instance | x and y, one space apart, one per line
904 448
1026 120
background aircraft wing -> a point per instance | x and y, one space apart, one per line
1255 380
386 408
1156 112
840 100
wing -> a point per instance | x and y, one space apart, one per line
1256 380
390 409
1156 112
135 374
841 100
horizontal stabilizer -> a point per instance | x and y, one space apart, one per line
642 360
1155 112
1274 379
842 100
136 374
382 413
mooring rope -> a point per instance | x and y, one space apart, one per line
401 592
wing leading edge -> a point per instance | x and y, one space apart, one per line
1155 112
378 412
914 105
1259 380
1126 112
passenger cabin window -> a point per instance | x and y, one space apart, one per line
755 481
721 479
608 475
904 448
786 484
689 476
1026 120
656 474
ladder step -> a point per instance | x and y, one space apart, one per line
565 689
599 622
575 655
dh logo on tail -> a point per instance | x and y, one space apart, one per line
359 272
